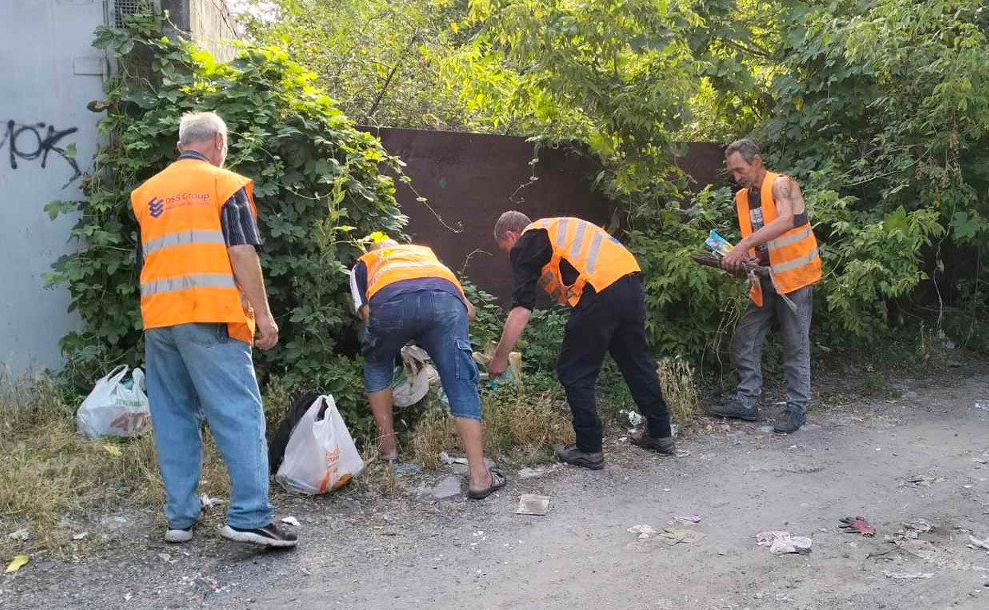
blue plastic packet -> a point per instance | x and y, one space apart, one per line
718 244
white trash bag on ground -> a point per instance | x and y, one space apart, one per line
320 455
117 406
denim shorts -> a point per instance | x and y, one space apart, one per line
437 321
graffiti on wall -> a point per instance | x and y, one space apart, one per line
36 142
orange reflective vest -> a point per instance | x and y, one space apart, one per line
794 261
599 259
403 262
186 275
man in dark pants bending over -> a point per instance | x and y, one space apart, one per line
582 266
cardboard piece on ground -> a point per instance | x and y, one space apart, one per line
531 504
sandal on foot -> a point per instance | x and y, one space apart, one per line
498 481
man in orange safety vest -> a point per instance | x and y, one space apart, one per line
776 234
584 268
202 290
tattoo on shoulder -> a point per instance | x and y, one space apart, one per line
783 187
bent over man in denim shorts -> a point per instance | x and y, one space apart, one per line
404 293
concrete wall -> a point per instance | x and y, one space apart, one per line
50 72
208 21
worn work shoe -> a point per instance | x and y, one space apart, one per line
268 535
791 424
734 411
666 446
572 455
177 536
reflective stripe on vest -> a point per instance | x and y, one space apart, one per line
403 262
394 266
794 257
795 263
787 240
196 280
592 255
183 238
599 259
186 276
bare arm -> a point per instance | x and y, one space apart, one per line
789 202
514 325
247 271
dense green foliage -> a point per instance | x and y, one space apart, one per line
883 107
317 185
879 108
380 59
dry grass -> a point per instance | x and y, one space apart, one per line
54 483
378 474
52 479
518 427
676 378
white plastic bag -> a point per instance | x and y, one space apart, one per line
414 379
115 407
320 455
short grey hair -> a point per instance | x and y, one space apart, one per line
745 147
200 126
510 221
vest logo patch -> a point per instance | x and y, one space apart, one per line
156 207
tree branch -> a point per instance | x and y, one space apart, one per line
745 49
384 88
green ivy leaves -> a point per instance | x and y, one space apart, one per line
317 181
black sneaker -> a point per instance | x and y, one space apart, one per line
794 420
666 446
572 455
734 411
268 535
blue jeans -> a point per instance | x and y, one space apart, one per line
437 320
196 372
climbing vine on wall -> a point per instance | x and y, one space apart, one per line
318 186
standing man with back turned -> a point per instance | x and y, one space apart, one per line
199 262
581 266
775 233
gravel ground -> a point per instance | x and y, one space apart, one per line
922 456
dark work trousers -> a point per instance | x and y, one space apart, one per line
612 321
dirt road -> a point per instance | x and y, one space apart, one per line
923 456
